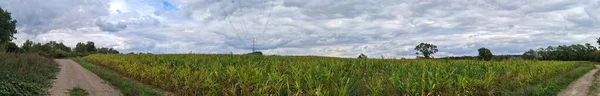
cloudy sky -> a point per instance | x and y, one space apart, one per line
341 28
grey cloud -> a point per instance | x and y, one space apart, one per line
110 27
40 16
343 28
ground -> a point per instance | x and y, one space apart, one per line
72 74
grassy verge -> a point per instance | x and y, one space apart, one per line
126 86
76 91
25 74
595 87
554 85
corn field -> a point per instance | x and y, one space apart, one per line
195 74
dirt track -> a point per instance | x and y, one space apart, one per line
72 74
581 86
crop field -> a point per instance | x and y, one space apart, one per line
194 74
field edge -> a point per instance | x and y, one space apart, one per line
127 86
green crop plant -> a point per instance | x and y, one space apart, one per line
212 74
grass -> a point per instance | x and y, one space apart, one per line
76 91
25 74
195 74
126 86
595 87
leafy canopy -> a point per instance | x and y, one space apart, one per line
426 49
485 54
7 26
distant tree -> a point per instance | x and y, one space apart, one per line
10 47
90 47
362 56
7 26
112 51
530 55
426 49
61 46
485 54
255 53
27 46
80 48
598 41
36 48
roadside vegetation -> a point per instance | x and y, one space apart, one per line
187 74
76 91
25 74
595 87
126 86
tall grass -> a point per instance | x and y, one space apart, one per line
260 75
25 74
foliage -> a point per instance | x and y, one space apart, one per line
25 74
598 41
530 55
60 50
195 74
595 56
575 52
7 26
76 91
255 53
9 47
426 49
362 56
125 86
485 54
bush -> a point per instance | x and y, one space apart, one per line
25 74
255 53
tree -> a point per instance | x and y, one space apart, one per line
530 55
426 49
362 56
80 48
90 47
7 26
598 41
10 47
27 45
485 54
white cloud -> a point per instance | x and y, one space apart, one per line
309 27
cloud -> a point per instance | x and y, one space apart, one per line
110 27
389 28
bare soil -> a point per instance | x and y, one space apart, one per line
72 74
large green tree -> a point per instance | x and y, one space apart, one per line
426 49
80 48
485 54
7 26
90 47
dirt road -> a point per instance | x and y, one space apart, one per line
581 86
72 74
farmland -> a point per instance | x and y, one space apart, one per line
243 74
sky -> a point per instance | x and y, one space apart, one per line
338 28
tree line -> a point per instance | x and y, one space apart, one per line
49 49
58 49
575 52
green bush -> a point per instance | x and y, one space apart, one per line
25 74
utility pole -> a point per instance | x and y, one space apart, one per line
253 44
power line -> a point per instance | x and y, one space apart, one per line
230 23
267 20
